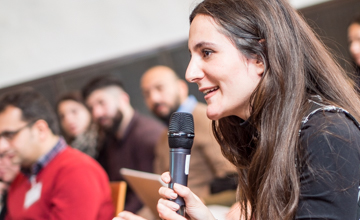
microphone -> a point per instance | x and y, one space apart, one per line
181 137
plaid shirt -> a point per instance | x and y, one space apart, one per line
45 159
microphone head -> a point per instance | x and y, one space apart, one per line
181 130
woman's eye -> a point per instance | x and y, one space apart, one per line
207 53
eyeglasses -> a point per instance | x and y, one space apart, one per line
10 135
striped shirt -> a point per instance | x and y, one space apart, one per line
45 159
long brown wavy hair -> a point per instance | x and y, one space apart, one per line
297 65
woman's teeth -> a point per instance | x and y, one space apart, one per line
210 90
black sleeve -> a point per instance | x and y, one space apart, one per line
330 176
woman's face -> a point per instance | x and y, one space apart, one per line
74 117
225 76
354 42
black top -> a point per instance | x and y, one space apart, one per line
330 174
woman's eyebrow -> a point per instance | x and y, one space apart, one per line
202 44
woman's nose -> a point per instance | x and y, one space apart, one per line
193 72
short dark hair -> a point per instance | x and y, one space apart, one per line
73 96
100 82
33 107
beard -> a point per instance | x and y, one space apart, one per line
165 118
113 127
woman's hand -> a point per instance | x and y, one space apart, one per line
125 215
195 209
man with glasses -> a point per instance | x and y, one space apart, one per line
56 181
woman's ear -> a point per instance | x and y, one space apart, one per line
260 61
260 68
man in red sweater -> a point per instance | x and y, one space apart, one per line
56 181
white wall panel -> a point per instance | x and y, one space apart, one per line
41 37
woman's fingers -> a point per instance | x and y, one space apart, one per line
179 190
167 193
186 193
194 207
166 212
170 204
166 177
125 215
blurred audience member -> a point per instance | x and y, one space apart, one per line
56 181
164 93
354 42
76 123
130 137
8 172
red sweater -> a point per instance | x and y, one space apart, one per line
74 186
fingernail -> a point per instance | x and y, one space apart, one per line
173 196
175 206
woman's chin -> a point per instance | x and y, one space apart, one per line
74 133
212 115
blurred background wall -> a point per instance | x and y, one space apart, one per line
57 46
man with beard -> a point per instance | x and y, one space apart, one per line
56 181
165 93
129 137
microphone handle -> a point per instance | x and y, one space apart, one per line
179 170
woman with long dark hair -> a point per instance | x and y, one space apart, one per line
284 112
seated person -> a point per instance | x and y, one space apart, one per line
130 137
76 123
56 181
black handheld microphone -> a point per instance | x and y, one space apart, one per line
181 137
